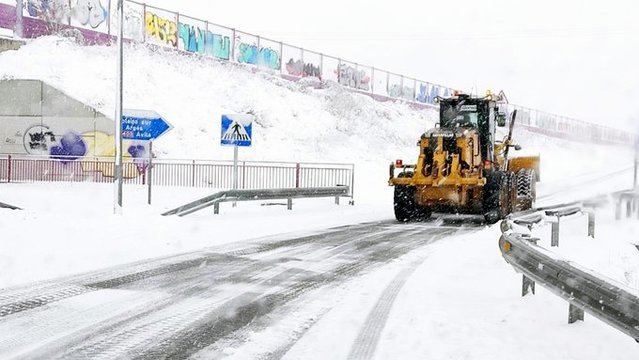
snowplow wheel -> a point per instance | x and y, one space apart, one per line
406 209
526 189
496 203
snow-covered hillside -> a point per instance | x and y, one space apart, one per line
294 120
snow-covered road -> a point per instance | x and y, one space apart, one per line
176 306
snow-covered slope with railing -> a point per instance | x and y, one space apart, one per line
295 121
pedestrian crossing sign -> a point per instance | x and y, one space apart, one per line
237 130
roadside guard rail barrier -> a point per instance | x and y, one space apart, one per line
584 290
217 174
260 194
164 28
8 206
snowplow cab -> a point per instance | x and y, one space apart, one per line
462 168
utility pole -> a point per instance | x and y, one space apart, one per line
117 206
19 29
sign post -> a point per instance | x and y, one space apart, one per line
117 207
237 131
235 170
144 125
149 178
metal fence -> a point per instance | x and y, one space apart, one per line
217 174
170 29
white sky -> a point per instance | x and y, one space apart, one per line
573 57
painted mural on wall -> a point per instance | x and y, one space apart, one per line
302 69
194 39
87 12
72 146
263 56
165 31
398 91
56 11
422 93
351 77
90 12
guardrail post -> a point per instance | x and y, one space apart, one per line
628 208
216 208
575 314
298 171
591 223
528 284
289 204
337 200
555 233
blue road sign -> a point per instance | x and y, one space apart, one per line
237 130
143 125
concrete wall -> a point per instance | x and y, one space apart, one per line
10 44
38 119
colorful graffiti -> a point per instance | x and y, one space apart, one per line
422 93
86 12
194 39
218 46
56 11
299 68
351 77
71 147
84 148
265 57
163 30
90 12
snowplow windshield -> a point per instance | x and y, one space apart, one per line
459 115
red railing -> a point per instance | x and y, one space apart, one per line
176 173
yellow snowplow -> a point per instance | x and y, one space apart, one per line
463 169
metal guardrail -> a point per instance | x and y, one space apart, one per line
7 206
260 194
583 290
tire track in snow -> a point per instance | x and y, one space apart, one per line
366 342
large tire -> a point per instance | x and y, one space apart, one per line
526 190
496 201
406 208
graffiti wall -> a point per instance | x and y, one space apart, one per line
195 37
69 133
349 75
92 14
250 49
303 69
161 30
